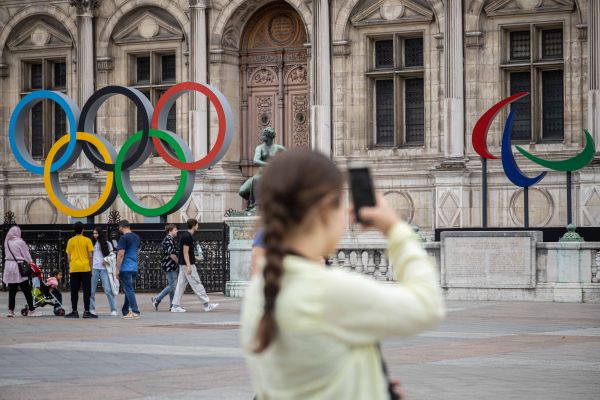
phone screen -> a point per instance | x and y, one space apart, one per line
361 186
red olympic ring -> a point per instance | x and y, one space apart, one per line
225 117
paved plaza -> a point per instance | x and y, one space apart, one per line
484 350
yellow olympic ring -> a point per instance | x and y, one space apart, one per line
108 186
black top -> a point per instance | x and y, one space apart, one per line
186 240
168 247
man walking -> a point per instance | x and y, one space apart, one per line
188 271
127 268
170 264
79 254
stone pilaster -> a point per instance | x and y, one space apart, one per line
321 109
198 73
85 57
594 71
454 106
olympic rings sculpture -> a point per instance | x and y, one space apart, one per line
136 149
511 169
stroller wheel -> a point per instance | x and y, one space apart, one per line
24 311
59 312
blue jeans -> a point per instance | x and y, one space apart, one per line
170 288
102 274
128 282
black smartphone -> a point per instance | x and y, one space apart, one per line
361 185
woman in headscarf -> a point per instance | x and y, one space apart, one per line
15 249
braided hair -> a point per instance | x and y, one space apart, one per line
292 183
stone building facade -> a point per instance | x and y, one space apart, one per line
398 84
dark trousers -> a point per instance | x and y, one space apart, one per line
81 279
13 288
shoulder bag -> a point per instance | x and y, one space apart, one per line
24 268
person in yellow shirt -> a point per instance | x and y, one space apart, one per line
310 332
80 254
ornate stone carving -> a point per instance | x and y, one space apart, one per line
298 75
529 4
40 211
230 38
85 6
148 28
264 77
300 124
40 37
341 48
391 10
541 207
282 28
264 106
402 203
474 39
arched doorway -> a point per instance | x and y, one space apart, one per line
274 74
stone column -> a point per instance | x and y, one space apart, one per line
85 57
454 106
593 124
321 55
198 73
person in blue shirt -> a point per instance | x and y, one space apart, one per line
128 250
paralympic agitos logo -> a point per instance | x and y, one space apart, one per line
511 169
136 149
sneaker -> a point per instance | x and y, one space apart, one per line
210 306
113 313
131 315
87 314
177 309
73 314
155 303
34 314
10 313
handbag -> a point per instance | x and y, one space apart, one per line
24 268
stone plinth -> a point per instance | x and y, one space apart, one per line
489 260
241 234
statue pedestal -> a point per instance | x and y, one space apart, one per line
241 234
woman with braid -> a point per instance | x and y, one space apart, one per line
311 332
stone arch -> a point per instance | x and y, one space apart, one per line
31 11
475 8
40 211
225 27
341 23
129 6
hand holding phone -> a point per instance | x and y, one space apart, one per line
370 208
363 194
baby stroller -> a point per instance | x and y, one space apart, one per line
41 293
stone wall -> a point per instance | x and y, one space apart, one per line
436 185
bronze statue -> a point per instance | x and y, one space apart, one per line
267 149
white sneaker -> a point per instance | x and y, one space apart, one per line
113 313
211 306
177 309
34 314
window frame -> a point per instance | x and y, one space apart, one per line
156 86
399 73
48 61
536 65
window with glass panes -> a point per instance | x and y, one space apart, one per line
47 120
153 74
398 90
535 63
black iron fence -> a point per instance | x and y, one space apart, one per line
47 244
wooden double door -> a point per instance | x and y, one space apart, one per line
274 77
